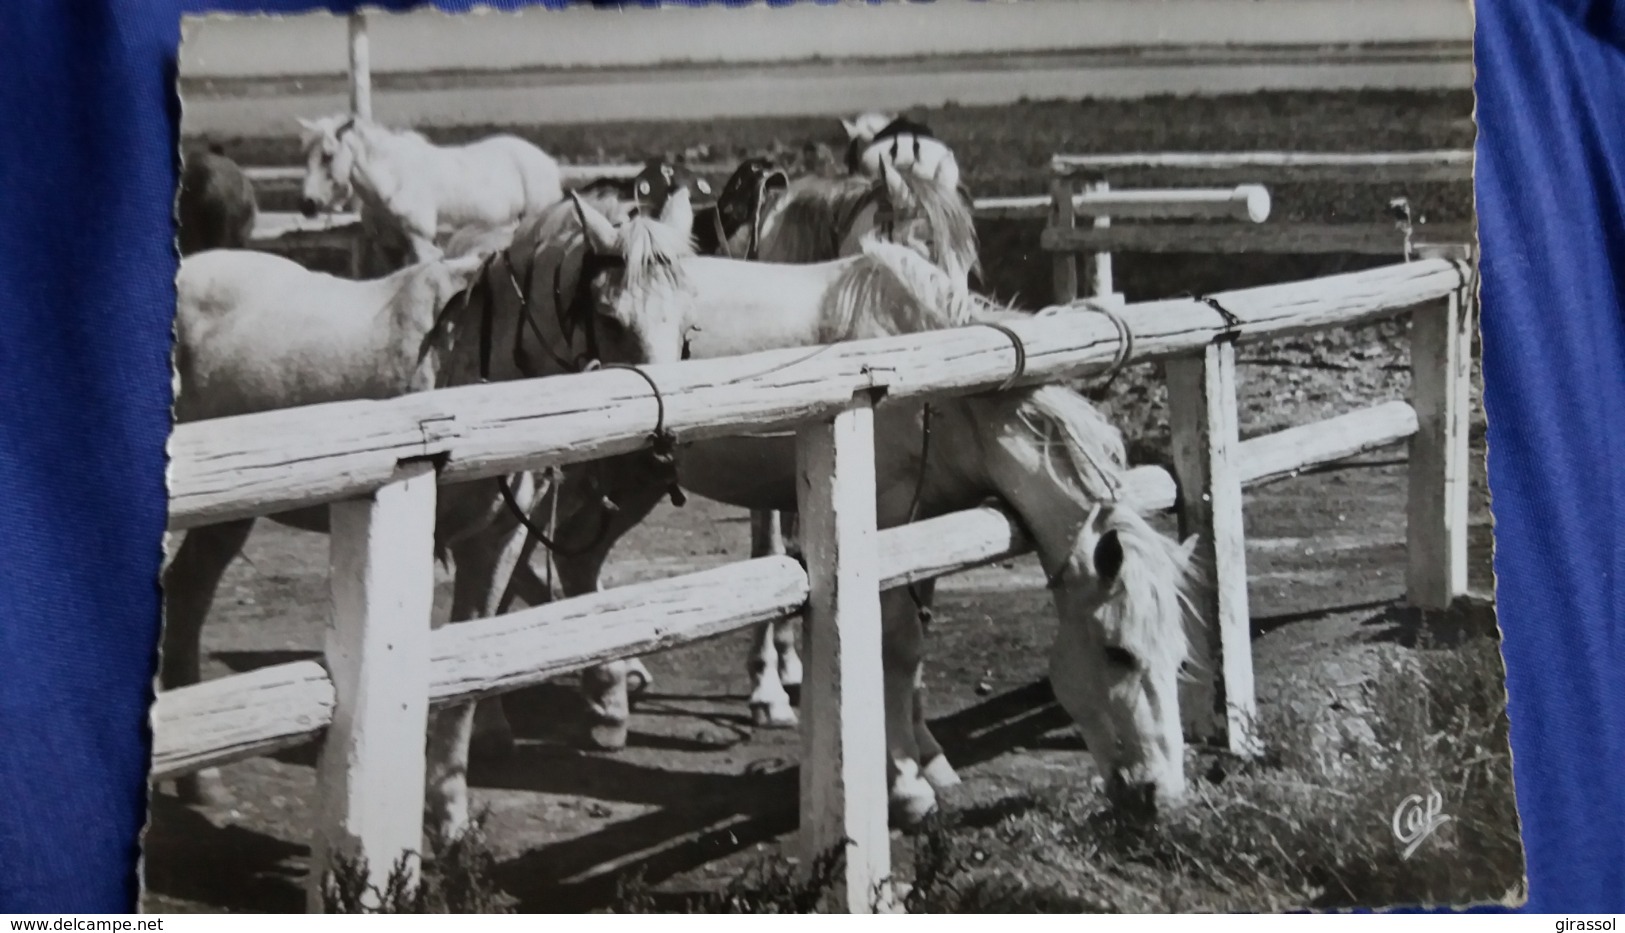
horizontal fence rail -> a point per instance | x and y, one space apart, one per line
1248 203
273 461
1435 165
243 715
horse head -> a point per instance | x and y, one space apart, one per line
916 210
630 281
1122 589
908 144
329 163
741 205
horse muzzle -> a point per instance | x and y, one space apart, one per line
309 207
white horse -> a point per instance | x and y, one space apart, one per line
1120 586
815 220
256 332
411 190
872 137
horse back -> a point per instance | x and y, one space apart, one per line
537 171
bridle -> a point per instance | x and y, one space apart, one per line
578 313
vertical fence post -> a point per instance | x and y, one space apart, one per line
360 106
843 761
1064 216
1441 381
1100 264
1218 703
371 768
360 67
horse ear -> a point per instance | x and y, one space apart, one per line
306 124
850 127
894 181
601 234
678 213
1187 549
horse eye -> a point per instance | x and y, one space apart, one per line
1122 657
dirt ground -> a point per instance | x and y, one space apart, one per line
699 792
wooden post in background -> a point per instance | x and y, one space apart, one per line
1064 216
370 772
360 106
1218 704
1100 264
360 67
1441 383
843 761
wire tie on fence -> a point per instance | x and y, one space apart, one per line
662 442
1021 354
1232 323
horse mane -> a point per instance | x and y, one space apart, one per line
950 218
1085 454
807 222
892 289
652 250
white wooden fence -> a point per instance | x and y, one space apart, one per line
1097 240
378 464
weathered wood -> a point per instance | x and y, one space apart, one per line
1099 263
258 464
232 718
1242 202
1436 520
485 657
1368 239
271 175
1436 165
360 67
1284 453
239 716
371 769
1064 218
843 761
1217 703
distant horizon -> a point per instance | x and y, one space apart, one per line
428 41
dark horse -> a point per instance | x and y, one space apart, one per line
215 208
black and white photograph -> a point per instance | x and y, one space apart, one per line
893 457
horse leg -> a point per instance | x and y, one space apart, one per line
479 561
784 630
935 767
902 644
770 706
190 584
604 686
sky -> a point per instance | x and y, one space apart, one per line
429 40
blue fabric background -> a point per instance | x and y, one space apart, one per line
88 122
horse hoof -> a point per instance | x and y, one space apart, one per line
608 736
912 797
206 788
637 682
773 716
940 774
911 811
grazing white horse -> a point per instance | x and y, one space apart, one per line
1121 588
256 332
411 189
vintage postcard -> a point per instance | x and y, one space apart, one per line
948 457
